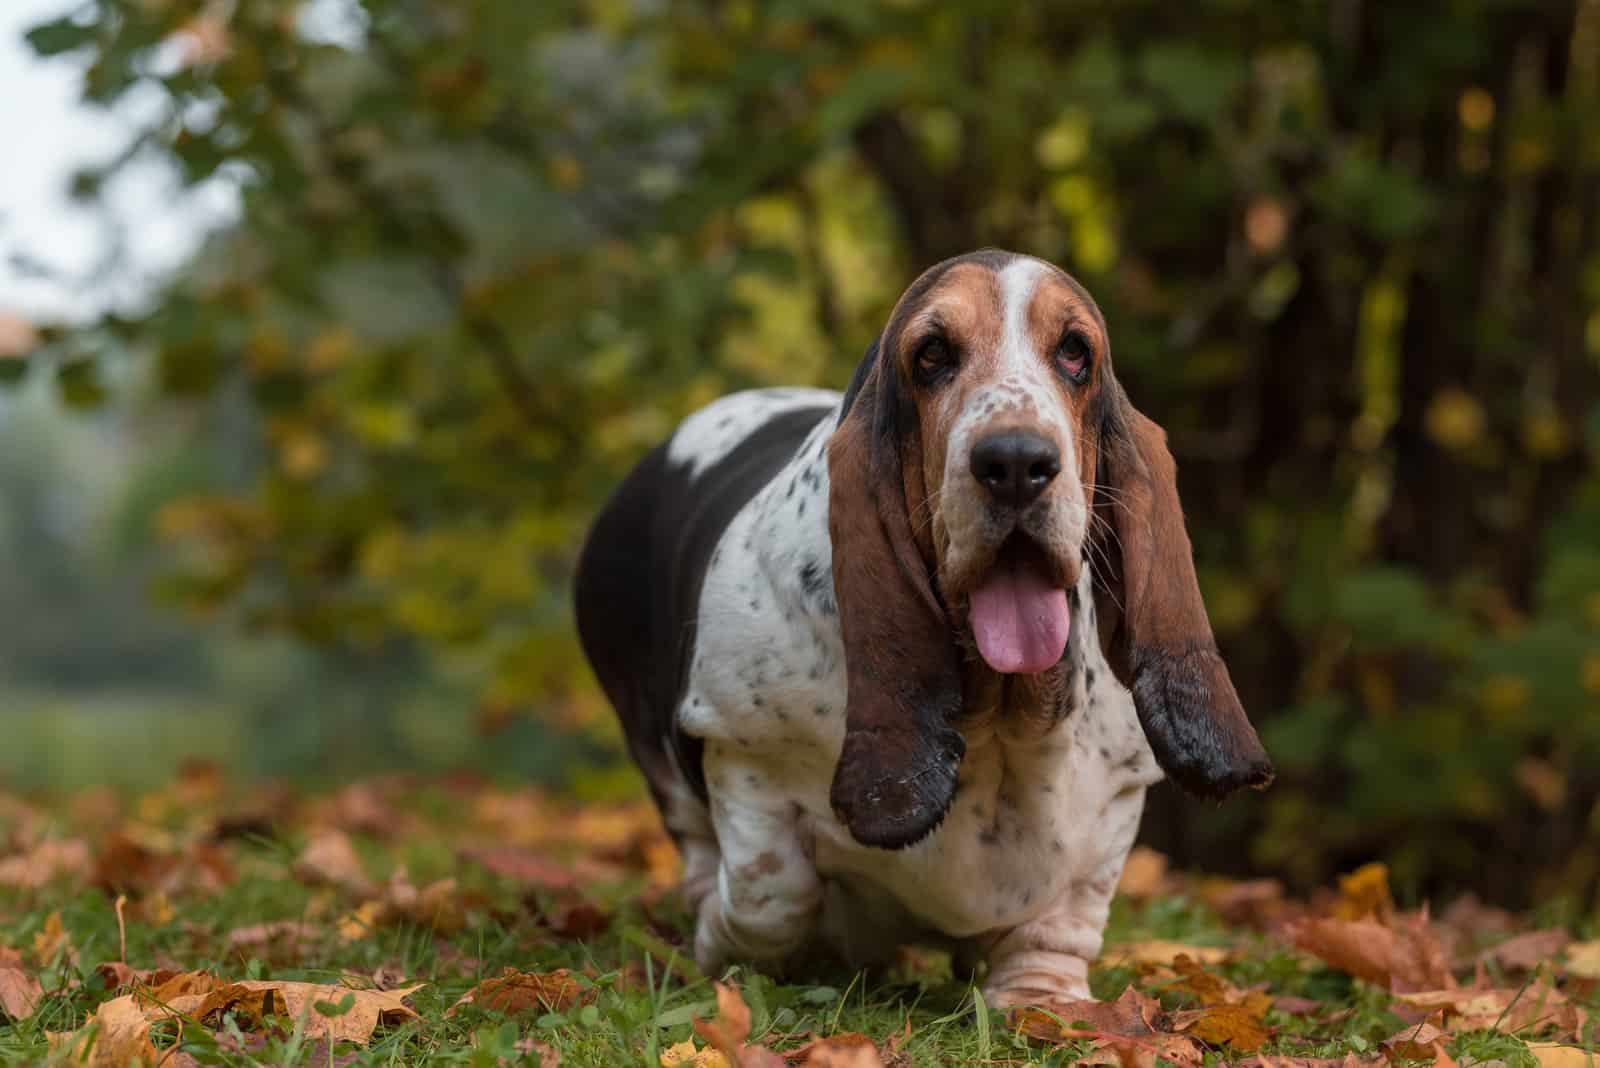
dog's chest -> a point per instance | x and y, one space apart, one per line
767 693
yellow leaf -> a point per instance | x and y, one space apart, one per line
1364 892
684 1055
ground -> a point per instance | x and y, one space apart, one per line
207 924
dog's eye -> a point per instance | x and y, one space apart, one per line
935 361
1072 356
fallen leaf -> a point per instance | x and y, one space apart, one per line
1132 1013
1555 1055
1441 1059
685 1055
1415 1043
367 1010
46 862
19 992
1526 952
117 974
1583 960
517 992
848 1050
355 926
1407 953
1533 1008
116 1035
1234 1026
1365 893
330 859
727 1033
1156 952
52 940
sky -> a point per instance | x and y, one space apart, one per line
46 134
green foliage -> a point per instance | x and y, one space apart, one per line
489 253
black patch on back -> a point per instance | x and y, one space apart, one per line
640 576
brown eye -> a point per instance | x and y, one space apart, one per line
935 361
1072 356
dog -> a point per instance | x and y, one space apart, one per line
899 665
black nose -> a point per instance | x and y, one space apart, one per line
1015 465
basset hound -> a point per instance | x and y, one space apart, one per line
899 664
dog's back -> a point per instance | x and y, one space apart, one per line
643 565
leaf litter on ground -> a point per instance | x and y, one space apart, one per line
401 922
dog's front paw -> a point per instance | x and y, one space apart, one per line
1038 978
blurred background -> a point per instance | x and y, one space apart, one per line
325 327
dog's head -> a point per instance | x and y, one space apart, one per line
985 454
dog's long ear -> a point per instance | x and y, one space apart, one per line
1153 623
897 772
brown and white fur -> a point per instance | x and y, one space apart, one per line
776 601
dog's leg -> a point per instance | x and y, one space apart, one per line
1047 959
767 897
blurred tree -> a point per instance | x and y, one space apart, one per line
490 250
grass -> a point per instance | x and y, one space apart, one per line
623 936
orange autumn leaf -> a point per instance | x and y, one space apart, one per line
1407 953
517 992
728 1032
1234 1026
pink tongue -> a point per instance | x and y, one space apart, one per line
1020 619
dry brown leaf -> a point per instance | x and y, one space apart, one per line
19 992
1583 960
850 1049
1534 1008
1234 1026
1131 1014
1441 1059
330 859
367 1010
1406 953
46 862
1556 1055
1156 952
116 975
517 992
120 1036
1414 1043
1526 952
